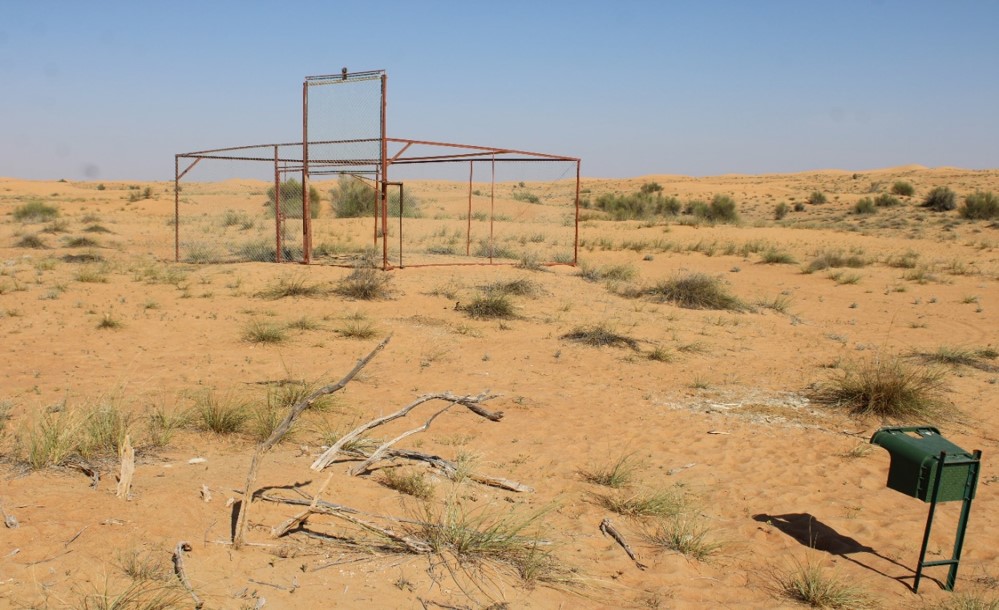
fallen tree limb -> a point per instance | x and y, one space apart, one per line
450 469
380 451
127 455
293 413
470 402
178 568
608 529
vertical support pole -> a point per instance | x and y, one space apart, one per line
468 230
962 522
278 247
575 241
492 209
929 519
402 203
176 209
383 151
306 211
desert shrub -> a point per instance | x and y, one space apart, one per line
613 273
884 200
966 601
941 199
888 387
686 534
50 440
35 211
663 503
781 210
903 189
525 195
799 206
817 198
980 206
259 331
354 198
365 283
773 256
412 483
490 304
220 414
721 208
104 430
522 287
832 260
291 194
238 218
292 286
31 241
693 291
809 584
600 335
81 242
618 474
357 329
648 202
864 206
494 250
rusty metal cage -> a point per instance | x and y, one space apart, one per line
330 198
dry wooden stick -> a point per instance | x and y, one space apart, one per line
450 468
379 452
127 454
178 568
608 529
471 402
282 429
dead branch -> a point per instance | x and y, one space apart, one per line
471 402
450 469
608 529
282 429
414 545
379 452
127 454
178 568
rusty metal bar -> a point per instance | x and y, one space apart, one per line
575 242
468 230
176 206
492 213
383 150
189 167
278 213
399 154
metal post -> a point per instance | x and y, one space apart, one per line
492 210
176 208
306 212
962 522
575 242
468 231
277 209
383 151
929 520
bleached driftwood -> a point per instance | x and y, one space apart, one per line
470 402
282 429
178 568
608 529
378 453
127 454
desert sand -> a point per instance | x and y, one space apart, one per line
717 406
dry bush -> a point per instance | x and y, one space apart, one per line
888 387
692 291
811 585
364 283
617 474
600 335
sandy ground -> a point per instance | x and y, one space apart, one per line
726 415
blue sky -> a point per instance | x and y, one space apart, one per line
112 90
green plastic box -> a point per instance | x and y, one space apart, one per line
915 458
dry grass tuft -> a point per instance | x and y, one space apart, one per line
600 335
889 388
811 585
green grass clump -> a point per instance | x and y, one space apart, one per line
258 331
773 256
694 291
365 283
50 440
961 356
104 430
643 205
889 388
817 198
137 595
291 194
663 503
686 534
490 305
355 198
109 322
35 211
412 483
811 585
941 199
522 287
220 414
721 208
600 335
297 286
980 206
781 210
612 273
903 189
81 242
31 241
357 329
832 260
884 200
966 601
616 475
864 206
